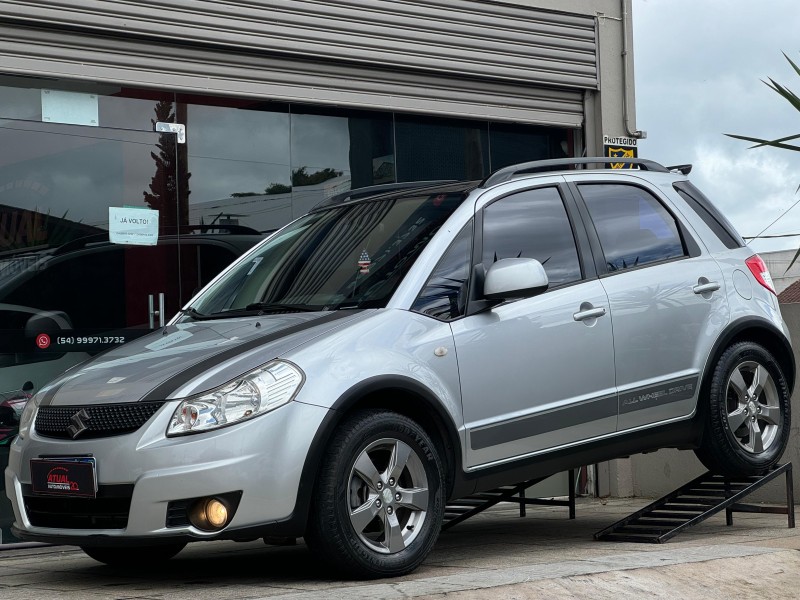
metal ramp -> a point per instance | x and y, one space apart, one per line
462 509
694 503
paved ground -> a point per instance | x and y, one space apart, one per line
495 556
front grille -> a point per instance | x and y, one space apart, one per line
103 420
109 510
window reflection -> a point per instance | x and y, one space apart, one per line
430 149
57 181
239 161
336 151
513 143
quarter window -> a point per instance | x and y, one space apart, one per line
445 294
532 224
634 228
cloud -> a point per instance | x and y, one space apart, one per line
752 188
699 68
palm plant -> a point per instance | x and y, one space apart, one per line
792 99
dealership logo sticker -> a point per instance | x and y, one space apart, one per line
58 481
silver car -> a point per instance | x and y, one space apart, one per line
392 350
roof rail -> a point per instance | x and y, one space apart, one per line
382 188
555 164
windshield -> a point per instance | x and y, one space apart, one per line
351 256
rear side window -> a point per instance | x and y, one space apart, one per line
633 226
715 220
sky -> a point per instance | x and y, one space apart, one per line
699 66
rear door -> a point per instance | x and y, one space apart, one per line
666 295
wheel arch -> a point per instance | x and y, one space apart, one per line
757 330
398 394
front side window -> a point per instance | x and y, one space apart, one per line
351 256
633 226
445 294
532 224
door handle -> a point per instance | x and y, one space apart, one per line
589 313
706 288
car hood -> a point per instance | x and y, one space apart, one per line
156 366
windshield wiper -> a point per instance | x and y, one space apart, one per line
270 306
197 316
257 308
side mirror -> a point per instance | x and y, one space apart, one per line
47 322
512 278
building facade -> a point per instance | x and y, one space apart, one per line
224 120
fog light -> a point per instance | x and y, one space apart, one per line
209 514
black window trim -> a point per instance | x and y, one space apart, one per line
439 262
709 214
691 248
475 304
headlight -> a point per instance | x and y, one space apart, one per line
256 393
28 415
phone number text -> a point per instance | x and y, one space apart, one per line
94 339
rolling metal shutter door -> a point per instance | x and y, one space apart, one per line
460 57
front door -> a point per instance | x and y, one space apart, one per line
536 373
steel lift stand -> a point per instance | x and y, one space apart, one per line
694 503
464 508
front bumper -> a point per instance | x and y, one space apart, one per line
262 458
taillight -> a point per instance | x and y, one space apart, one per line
760 271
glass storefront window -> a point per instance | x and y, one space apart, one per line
334 151
513 143
238 165
436 148
80 103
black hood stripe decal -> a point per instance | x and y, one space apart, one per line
163 390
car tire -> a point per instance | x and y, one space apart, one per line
132 556
378 502
748 416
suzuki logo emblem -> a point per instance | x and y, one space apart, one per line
79 422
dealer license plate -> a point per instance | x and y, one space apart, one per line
64 476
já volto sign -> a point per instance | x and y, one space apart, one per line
136 226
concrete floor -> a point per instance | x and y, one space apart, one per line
496 555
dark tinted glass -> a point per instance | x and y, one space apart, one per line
715 220
445 294
633 227
513 143
87 286
238 170
348 256
532 224
430 149
335 151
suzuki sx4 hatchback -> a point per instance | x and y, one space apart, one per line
385 353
